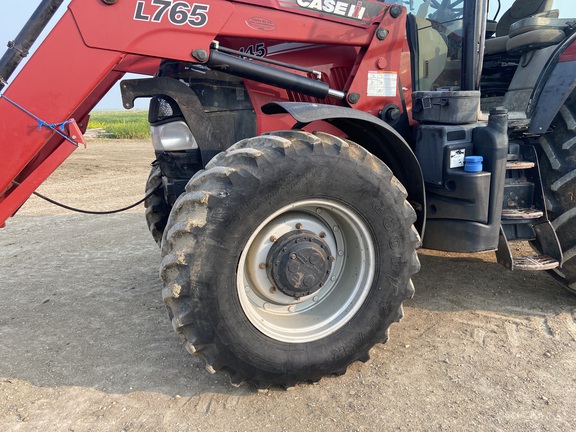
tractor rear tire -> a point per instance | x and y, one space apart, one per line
157 209
558 169
288 258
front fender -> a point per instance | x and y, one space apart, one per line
209 139
371 133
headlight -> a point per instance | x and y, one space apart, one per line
172 136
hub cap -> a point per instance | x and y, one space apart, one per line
306 270
299 263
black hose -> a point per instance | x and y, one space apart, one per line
77 210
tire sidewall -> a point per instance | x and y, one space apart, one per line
249 203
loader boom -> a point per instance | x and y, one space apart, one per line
49 87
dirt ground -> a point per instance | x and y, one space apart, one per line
85 344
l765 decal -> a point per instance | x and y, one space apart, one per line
176 12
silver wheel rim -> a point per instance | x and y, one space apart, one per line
315 316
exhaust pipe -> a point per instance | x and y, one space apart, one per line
18 48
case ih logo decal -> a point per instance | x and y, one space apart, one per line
335 7
176 12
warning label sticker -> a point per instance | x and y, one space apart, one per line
457 158
381 83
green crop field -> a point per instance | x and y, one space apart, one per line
131 124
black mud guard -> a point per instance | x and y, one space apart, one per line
556 83
371 133
206 136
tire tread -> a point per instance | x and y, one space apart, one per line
212 185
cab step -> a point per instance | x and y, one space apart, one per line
535 263
547 240
521 213
523 205
519 165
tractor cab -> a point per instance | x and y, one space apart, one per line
444 37
497 47
451 39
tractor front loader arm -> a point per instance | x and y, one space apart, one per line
63 80
91 47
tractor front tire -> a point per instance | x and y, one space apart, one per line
157 209
558 169
288 258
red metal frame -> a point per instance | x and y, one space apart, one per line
41 172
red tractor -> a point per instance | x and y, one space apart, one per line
302 146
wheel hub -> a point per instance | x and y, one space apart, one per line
299 263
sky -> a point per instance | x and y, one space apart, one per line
13 17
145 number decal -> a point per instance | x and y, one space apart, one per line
177 12
256 50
